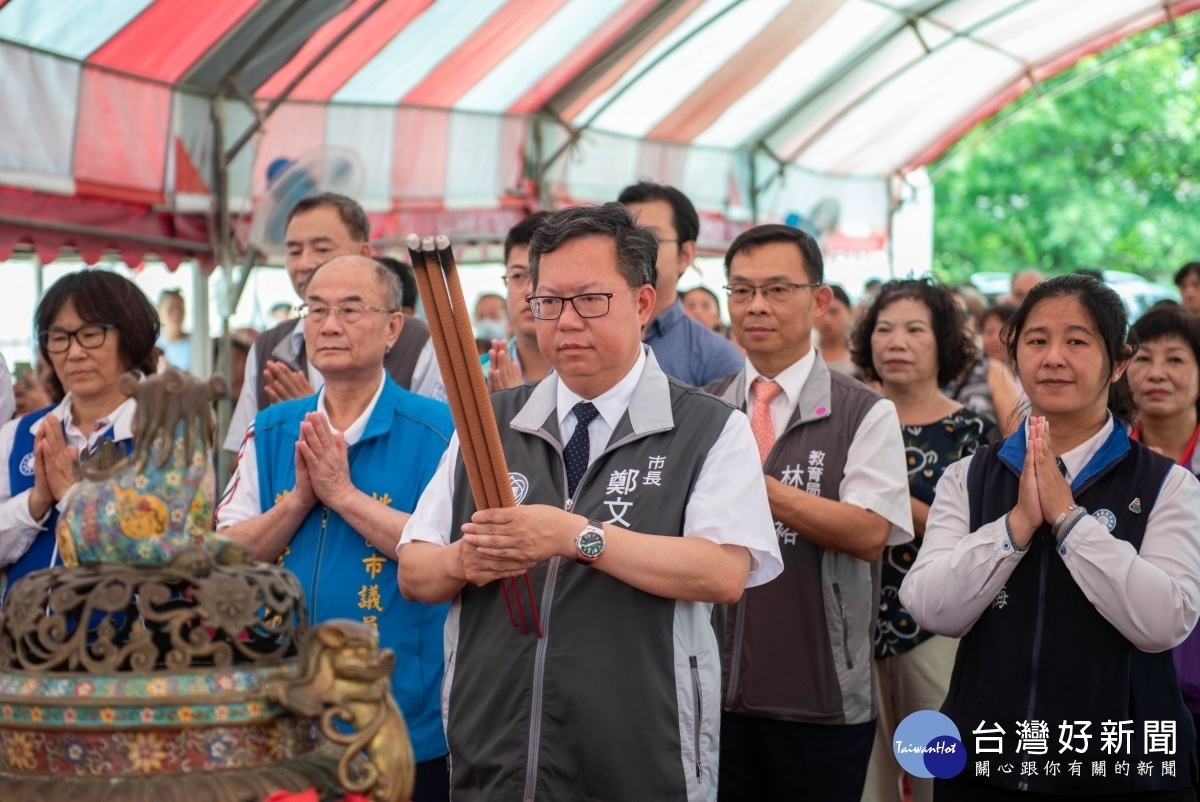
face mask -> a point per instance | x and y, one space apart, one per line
491 330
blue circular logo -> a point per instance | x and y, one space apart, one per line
1107 518
928 745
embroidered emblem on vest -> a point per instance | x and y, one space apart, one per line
1135 506
26 466
1106 517
520 486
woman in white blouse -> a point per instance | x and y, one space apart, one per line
92 327
1067 560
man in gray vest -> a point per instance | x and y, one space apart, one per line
799 704
640 505
319 228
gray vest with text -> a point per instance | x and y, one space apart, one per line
620 698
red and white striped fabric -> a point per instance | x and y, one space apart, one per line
460 107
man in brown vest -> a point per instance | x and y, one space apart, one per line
319 228
799 707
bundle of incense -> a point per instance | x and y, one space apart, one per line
474 419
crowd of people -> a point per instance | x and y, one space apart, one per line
753 548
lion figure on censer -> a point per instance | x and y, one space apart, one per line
153 506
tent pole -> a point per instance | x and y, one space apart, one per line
752 172
893 207
202 361
541 169
224 255
39 289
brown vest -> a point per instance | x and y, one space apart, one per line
400 361
800 647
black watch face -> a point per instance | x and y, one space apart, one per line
591 544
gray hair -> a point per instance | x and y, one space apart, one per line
636 246
393 287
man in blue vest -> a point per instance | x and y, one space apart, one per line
325 485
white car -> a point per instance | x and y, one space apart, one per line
1137 293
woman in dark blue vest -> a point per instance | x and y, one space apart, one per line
92 326
1067 560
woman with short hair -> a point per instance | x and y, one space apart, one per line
1066 560
92 327
1164 376
911 342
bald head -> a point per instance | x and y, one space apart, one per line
386 289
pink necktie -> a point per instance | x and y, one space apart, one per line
760 421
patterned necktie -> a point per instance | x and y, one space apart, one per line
765 391
579 447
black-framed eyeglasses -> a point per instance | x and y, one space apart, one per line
348 312
777 292
90 336
589 304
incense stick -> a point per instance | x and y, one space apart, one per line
470 405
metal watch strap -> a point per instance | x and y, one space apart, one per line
592 526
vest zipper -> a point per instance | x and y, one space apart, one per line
539 663
316 574
837 594
699 697
1037 633
1048 548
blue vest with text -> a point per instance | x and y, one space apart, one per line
41 553
342 574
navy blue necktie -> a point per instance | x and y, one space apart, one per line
580 445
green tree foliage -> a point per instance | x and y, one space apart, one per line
1100 170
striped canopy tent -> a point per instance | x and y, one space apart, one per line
148 125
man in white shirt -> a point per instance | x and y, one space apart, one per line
799 705
319 228
629 526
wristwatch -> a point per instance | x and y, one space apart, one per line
590 543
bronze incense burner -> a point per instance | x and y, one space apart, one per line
167 665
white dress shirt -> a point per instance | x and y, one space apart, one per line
728 504
17 527
1151 596
8 400
426 381
876 478
241 500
